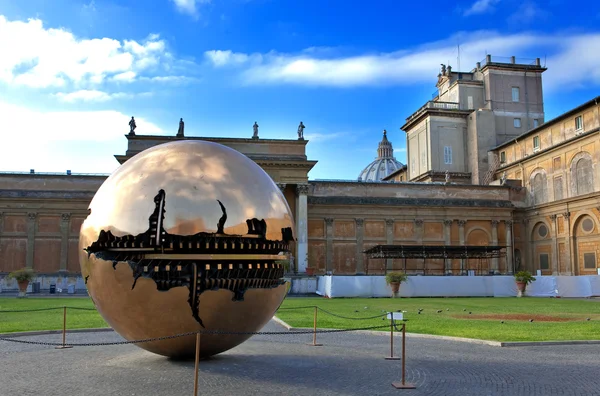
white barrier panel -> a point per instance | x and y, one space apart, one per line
458 286
543 286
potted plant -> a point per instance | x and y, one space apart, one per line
394 279
523 278
23 277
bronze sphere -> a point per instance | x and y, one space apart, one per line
187 236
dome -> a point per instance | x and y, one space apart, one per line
384 164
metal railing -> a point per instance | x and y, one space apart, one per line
508 60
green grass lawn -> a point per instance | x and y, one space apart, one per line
455 320
47 320
484 322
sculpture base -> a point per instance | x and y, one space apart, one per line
393 358
400 385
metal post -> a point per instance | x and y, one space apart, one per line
196 368
314 343
391 357
64 331
403 384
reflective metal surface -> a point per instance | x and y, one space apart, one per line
185 236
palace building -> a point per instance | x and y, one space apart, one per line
490 187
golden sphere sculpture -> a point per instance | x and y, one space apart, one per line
187 236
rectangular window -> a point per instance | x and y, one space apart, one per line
515 94
578 123
469 102
544 261
589 260
503 157
536 123
448 155
517 123
536 143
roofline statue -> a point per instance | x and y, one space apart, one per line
301 131
255 130
132 126
181 127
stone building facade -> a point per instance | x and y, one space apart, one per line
559 164
541 205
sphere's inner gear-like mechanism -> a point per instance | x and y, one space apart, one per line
200 262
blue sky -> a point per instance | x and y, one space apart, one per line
72 73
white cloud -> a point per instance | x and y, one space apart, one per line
527 12
98 135
189 7
86 95
322 137
420 65
481 7
221 58
37 57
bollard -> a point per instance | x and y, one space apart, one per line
197 363
64 331
391 357
314 343
403 384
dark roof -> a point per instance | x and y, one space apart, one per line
569 113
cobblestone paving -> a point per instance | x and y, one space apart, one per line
347 364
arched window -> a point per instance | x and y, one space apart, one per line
584 176
539 188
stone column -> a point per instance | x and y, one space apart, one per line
328 244
64 242
448 242
389 240
31 230
1 225
302 227
495 268
509 246
554 245
360 257
570 264
419 238
527 262
461 242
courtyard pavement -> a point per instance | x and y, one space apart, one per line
347 364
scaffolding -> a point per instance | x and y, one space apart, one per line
466 255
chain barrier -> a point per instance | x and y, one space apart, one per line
45 309
349 317
293 308
30 310
205 332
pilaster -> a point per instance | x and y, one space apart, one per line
301 227
360 257
328 244
495 223
389 239
570 265
448 242
65 224
508 224
31 231
461 242
555 268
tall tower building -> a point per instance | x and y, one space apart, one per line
470 113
